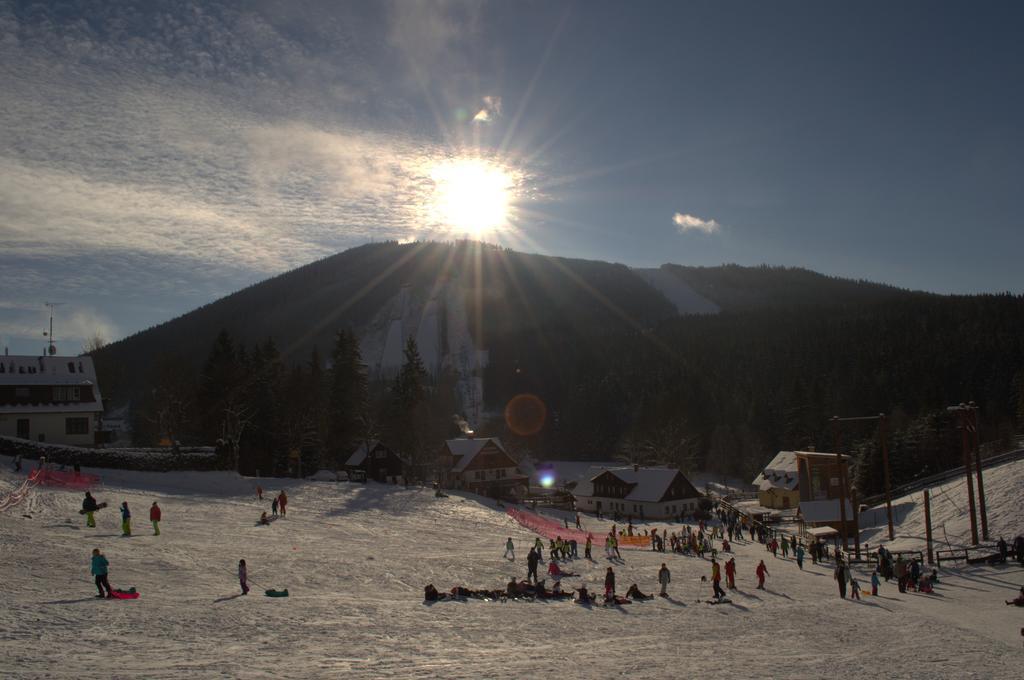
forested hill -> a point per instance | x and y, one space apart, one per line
507 293
739 289
618 370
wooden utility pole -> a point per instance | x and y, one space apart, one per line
883 435
962 410
977 469
928 524
842 485
856 522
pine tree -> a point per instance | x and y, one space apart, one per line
347 398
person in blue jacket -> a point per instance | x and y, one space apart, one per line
126 520
99 570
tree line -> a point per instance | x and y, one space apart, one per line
269 417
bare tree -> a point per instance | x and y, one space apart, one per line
94 343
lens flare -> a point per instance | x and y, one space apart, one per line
547 480
525 414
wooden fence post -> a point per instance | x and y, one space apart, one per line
928 524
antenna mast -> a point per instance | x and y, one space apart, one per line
51 348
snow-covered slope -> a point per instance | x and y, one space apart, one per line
355 559
951 525
677 291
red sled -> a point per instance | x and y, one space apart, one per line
125 594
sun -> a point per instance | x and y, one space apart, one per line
472 196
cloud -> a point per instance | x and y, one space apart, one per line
167 153
685 223
490 111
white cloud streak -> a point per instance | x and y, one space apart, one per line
685 223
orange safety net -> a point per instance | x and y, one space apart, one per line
66 480
549 527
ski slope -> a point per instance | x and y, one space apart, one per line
951 524
355 559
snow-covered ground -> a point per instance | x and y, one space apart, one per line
355 559
951 524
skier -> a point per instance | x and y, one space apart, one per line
282 502
1003 549
99 570
17 463
874 583
243 577
800 556
531 564
761 572
615 546
126 520
578 524
609 585
730 573
841 577
590 543
259 492
716 579
273 507
90 507
510 552
538 545
154 517
664 578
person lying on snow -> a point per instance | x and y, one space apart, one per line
1019 600
634 593
431 594
263 518
556 571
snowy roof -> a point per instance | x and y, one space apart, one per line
822 532
35 371
465 450
650 484
359 455
816 512
780 473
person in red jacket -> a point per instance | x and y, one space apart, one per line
762 571
282 501
730 573
154 517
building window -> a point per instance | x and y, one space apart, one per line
63 393
479 474
76 426
21 393
71 367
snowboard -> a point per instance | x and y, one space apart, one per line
129 594
276 593
724 600
98 507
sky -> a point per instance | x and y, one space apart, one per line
155 156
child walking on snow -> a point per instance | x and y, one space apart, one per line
154 517
510 553
126 520
243 577
99 570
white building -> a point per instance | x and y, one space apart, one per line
50 399
643 493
